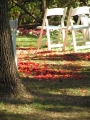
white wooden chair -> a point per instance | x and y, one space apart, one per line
84 19
80 11
14 26
46 25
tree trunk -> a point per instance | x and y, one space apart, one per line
10 83
43 7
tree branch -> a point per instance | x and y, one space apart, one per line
26 11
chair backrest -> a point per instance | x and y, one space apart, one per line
13 24
80 12
55 12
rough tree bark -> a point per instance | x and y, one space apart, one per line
10 83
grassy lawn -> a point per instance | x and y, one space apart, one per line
58 83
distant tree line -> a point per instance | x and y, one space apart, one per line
30 12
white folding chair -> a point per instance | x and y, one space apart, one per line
84 19
46 25
14 26
80 11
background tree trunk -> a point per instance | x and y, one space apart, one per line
42 9
10 83
43 2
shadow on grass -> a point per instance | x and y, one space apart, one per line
36 116
33 116
55 93
47 55
52 101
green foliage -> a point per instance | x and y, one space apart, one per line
34 8
15 12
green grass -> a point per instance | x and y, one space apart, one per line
26 41
50 100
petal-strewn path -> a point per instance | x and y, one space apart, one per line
52 65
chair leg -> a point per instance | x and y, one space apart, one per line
48 38
49 44
58 37
41 32
39 40
89 33
65 39
85 36
63 34
74 40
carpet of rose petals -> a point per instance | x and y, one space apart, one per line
52 65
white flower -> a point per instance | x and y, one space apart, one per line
30 33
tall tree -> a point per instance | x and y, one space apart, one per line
10 83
